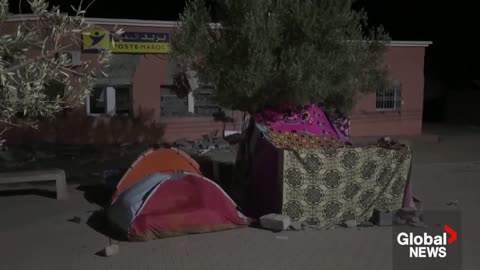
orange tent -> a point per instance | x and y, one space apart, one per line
156 161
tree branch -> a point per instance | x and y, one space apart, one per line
32 60
3 131
9 123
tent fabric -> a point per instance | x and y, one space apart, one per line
164 205
156 161
127 206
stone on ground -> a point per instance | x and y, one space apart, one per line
111 250
350 223
296 226
76 219
366 223
453 203
275 222
409 216
382 218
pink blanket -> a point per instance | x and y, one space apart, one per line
310 120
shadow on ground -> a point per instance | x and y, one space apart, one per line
96 194
31 191
99 222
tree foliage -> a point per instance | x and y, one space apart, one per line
37 79
269 53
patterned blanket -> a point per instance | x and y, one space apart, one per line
295 141
329 186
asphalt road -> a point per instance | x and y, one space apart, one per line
35 233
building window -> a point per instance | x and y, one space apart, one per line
98 101
123 100
110 100
198 103
390 99
171 104
204 102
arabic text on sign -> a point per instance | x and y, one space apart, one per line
143 37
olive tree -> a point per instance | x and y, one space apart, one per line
269 53
37 79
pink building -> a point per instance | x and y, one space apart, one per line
135 100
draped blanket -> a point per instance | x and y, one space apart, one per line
325 187
320 180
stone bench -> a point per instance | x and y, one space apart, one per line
36 176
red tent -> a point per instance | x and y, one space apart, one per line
156 161
170 204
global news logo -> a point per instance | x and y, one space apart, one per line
426 245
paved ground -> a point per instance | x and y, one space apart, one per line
35 233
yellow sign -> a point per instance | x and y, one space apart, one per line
129 42
96 40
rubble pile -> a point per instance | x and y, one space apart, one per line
207 143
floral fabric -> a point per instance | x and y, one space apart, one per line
325 187
308 120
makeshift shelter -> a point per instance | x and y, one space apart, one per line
308 120
171 204
320 180
156 161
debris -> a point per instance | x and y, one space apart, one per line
281 237
228 133
221 144
76 219
184 143
410 216
233 138
382 218
313 227
296 226
350 223
208 141
416 222
204 144
204 151
81 218
453 203
366 223
407 213
399 221
275 222
110 250
332 227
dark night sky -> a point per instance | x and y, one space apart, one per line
450 27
